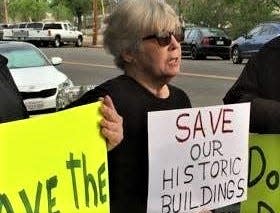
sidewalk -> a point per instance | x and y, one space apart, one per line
88 41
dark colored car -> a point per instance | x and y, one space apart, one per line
247 45
201 42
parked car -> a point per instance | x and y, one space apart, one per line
247 45
35 76
201 42
45 33
2 26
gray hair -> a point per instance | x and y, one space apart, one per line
134 19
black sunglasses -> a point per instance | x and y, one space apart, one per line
164 38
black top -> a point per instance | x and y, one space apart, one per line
128 162
259 83
11 105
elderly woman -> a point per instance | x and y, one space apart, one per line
144 38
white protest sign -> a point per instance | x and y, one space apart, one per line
198 158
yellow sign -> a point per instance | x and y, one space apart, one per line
54 163
264 173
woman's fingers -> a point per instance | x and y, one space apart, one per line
111 124
108 110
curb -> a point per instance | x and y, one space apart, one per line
98 46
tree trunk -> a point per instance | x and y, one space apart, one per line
79 22
94 24
5 12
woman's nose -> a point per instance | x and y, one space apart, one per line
174 44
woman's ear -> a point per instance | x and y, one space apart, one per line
127 56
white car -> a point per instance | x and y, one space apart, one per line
36 77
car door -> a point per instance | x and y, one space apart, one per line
66 33
71 31
186 33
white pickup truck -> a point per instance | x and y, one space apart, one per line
45 33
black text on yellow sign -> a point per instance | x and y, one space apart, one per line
94 184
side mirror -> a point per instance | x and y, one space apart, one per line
56 60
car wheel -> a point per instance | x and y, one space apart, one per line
57 42
236 59
79 42
194 53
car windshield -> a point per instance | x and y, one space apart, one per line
213 32
24 57
52 26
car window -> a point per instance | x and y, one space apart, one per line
35 25
265 31
255 31
71 27
273 30
22 25
3 26
12 26
22 58
186 33
52 26
192 34
213 32
199 34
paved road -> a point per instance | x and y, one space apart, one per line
205 81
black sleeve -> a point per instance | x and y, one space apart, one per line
11 105
265 111
246 87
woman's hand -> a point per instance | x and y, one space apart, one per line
111 124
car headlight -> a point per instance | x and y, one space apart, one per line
67 95
67 83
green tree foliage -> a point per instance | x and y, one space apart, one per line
276 3
206 12
61 11
235 16
27 10
78 7
246 14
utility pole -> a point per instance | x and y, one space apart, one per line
5 12
94 23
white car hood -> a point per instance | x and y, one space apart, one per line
34 79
